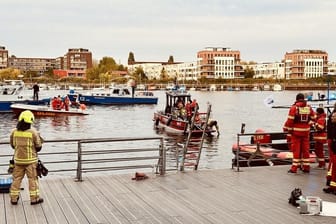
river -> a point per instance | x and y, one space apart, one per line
229 108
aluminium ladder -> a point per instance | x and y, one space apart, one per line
193 146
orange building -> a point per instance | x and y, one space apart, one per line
219 63
303 64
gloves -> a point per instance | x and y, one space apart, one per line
11 166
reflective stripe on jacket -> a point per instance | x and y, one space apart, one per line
320 127
299 117
24 143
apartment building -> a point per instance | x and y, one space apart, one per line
3 57
219 63
38 65
303 64
77 59
269 70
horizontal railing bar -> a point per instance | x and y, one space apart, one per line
91 152
118 159
115 168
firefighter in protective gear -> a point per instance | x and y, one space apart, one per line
26 142
320 136
299 120
331 138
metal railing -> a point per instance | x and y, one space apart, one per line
257 155
97 155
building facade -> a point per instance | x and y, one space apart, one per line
38 65
270 70
304 64
219 63
3 57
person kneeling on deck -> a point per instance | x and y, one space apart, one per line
26 142
298 123
320 136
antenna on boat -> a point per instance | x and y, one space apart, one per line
242 129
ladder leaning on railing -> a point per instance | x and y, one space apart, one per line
193 146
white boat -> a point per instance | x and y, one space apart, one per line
11 91
212 87
170 86
266 87
116 95
277 87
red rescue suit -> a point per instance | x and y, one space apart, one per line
331 136
298 123
320 138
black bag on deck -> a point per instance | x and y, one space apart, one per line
41 169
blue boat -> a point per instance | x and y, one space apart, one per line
12 91
116 95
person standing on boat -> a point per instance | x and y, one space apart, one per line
26 142
66 103
133 86
320 136
300 117
331 139
36 90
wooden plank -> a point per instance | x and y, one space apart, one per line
51 208
85 202
255 195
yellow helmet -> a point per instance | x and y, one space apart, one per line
27 116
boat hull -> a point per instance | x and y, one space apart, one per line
44 111
112 100
176 125
278 157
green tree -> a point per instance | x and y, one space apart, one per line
131 58
248 72
140 74
171 60
9 73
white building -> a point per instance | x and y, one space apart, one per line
272 70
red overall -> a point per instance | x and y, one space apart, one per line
320 138
298 122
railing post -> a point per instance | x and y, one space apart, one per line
79 161
163 158
237 152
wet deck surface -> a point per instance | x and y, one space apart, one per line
255 195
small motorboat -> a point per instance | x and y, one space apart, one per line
116 95
173 118
264 149
45 110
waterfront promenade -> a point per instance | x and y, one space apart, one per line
254 195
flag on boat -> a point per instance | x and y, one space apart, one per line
269 101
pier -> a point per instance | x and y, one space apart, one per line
254 195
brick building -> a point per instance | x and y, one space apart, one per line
303 64
219 63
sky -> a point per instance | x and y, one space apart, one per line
262 30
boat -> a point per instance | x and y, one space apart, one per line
277 87
173 120
264 149
45 110
212 87
115 95
12 91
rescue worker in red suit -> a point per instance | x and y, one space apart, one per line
189 110
26 142
320 136
66 103
300 117
331 139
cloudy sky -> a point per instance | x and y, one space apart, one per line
262 30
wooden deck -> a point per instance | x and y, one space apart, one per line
255 195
